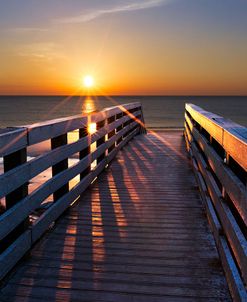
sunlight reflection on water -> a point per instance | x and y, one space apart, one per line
88 105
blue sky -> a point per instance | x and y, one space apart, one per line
211 12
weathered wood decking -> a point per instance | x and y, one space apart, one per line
139 233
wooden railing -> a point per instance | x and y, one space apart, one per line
115 126
218 149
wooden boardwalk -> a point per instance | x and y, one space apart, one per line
139 233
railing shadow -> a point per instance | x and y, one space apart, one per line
110 234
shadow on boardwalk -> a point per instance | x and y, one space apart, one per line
138 234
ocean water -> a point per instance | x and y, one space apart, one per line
159 111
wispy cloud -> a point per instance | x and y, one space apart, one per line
25 30
134 6
41 52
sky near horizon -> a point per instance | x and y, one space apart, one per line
179 47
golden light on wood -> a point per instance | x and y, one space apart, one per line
91 128
88 81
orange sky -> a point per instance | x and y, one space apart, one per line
145 47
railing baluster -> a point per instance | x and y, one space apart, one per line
125 124
142 127
100 141
12 161
83 132
57 142
220 154
112 133
119 128
20 205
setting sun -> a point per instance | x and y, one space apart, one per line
88 81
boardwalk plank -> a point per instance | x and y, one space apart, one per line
139 233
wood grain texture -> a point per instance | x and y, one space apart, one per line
139 233
231 136
9 181
46 130
11 218
233 186
12 139
225 198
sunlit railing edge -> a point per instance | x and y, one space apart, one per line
115 127
218 150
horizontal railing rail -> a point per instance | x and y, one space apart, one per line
94 149
218 149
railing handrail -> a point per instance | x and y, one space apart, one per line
218 149
27 135
231 136
115 126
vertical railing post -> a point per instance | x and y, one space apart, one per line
100 141
111 133
138 120
142 127
10 162
126 123
226 162
120 127
83 132
57 142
